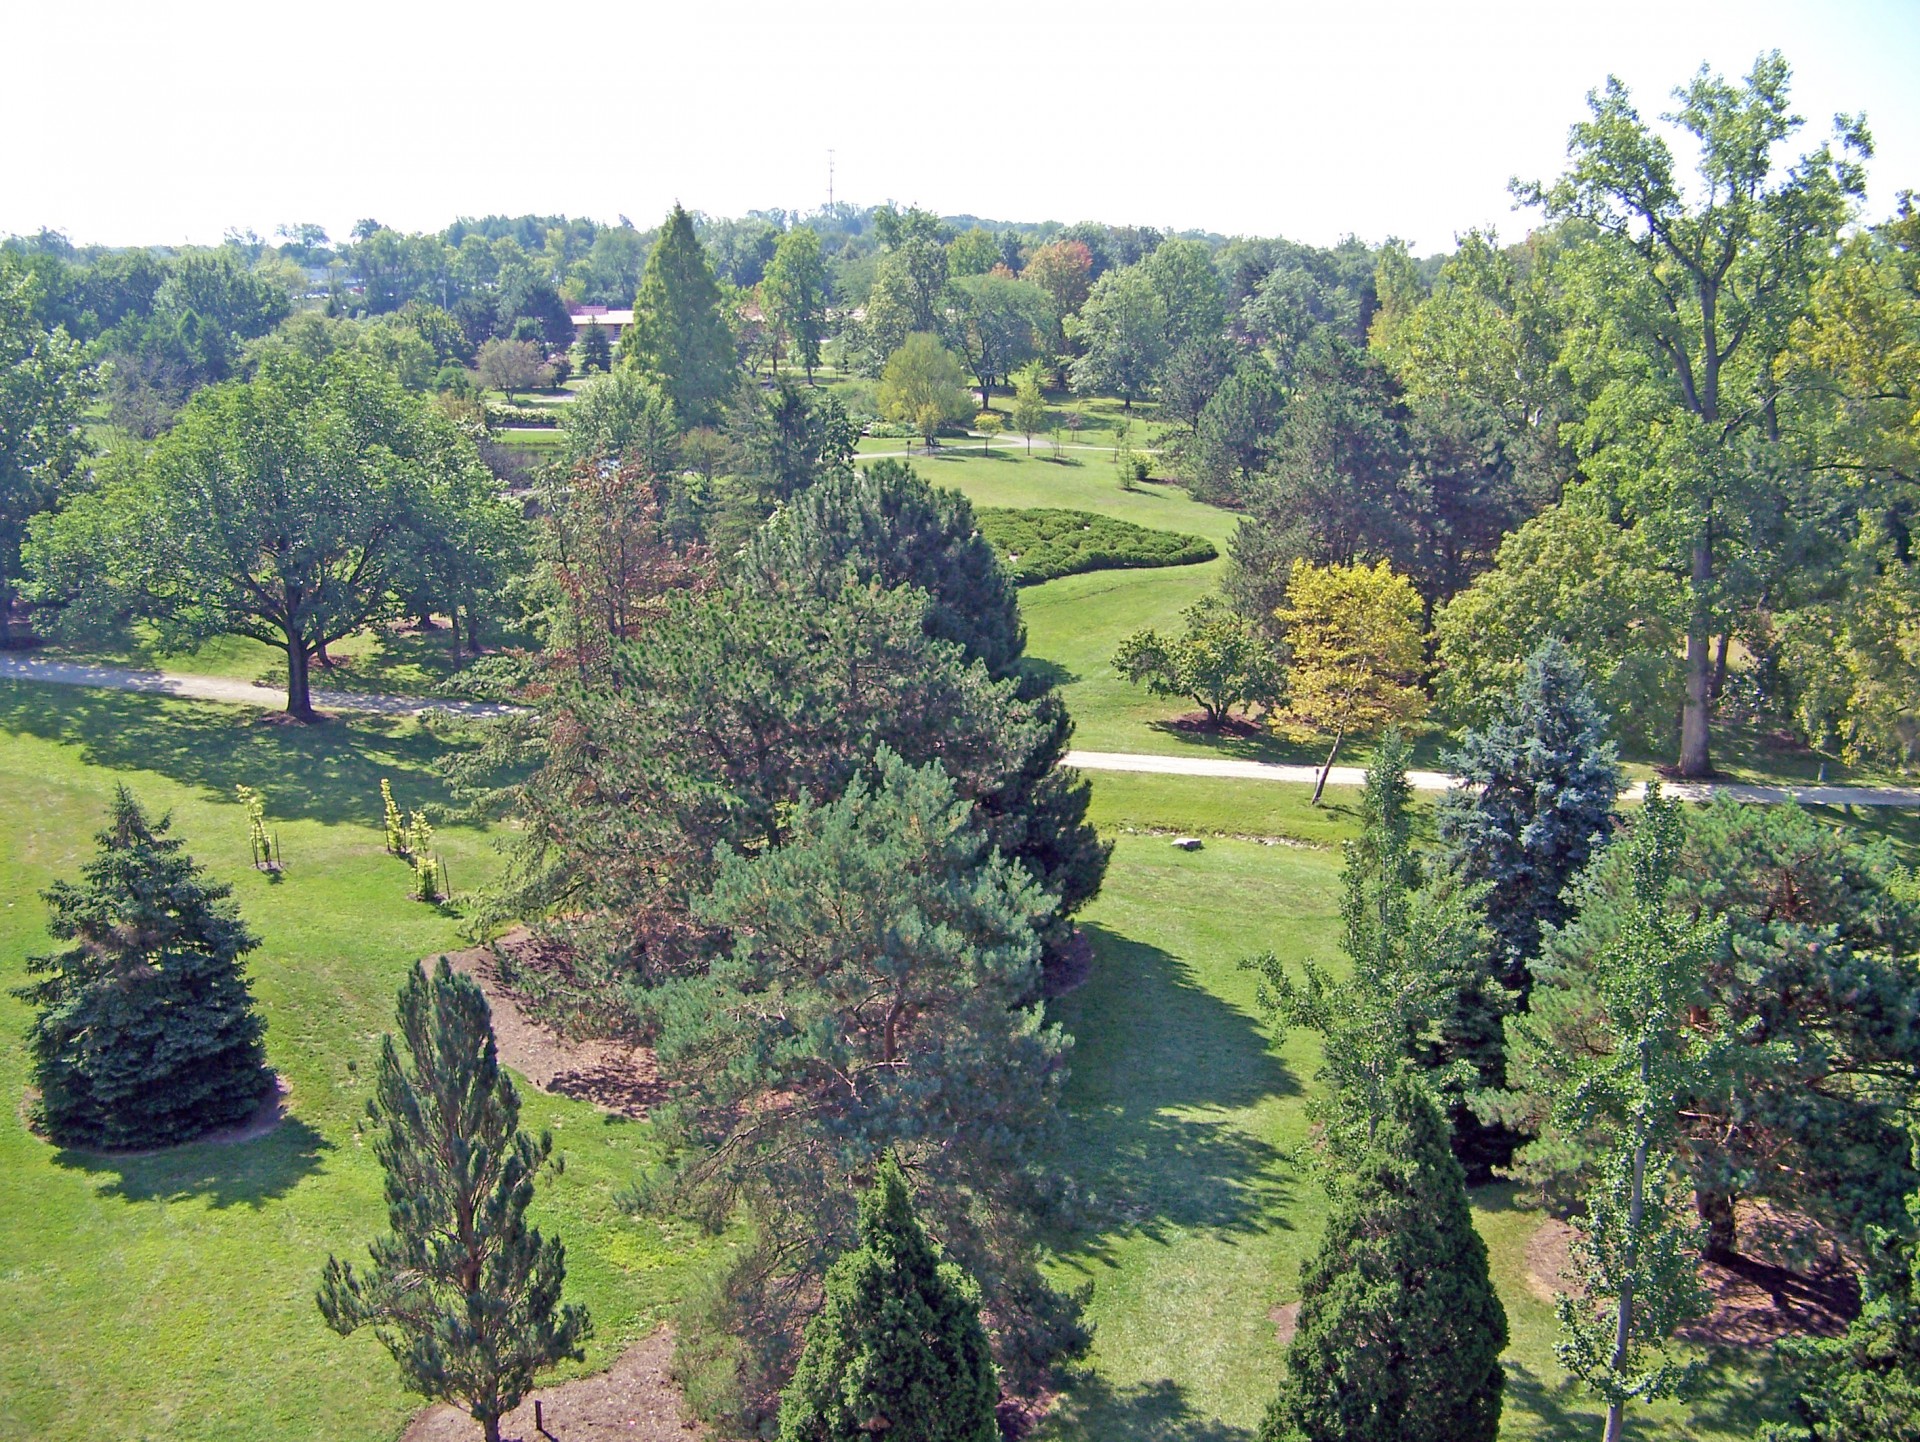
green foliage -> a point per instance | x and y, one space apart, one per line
788 439
877 998
1865 1386
44 387
395 827
263 847
596 351
462 1292
897 1345
1219 661
511 365
1540 781
288 509
1045 544
794 293
1400 1331
1636 1275
1029 404
622 416
886 525
144 1033
1122 330
1572 575
679 335
923 386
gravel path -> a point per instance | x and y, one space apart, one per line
18 667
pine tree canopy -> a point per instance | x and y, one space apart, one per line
462 1292
1400 1330
897 1349
145 1034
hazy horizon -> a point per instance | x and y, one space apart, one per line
1391 119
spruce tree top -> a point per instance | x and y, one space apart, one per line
897 1348
1541 785
144 1033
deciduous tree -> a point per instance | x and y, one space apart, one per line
794 293
1220 661
923 386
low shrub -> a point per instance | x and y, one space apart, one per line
1043 545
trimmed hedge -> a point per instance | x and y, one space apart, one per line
1043 545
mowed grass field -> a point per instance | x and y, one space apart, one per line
171 1296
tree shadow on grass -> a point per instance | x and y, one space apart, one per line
328 772
1156 1411
248 1174
1159 1065
1567 1412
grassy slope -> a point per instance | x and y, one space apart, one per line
171 1296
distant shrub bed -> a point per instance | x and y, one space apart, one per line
1043 545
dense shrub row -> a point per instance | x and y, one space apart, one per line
1042 545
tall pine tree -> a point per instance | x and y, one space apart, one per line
1540 784
463 1293
679 334
145 1034
1400 1330
897 1348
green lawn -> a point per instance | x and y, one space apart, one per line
1188 1141
171 1296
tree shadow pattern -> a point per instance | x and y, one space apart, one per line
241 1174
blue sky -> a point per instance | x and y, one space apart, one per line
166 123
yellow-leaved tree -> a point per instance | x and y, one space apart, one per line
1354 637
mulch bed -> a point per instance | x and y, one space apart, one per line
268 1115
615 1076
635 1400
1195 723
1756 1299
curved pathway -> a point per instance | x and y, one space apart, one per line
1441 781
28 667
18 666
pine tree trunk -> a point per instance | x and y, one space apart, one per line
299 697
1716 1214
1695 758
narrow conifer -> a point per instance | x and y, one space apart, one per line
897 1349
463 1293
145 1034
1400 1330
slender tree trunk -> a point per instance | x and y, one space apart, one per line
1695 757
320 655
1320 786
490 1429
299 697
473 633
6 614
1719 666
1623 1315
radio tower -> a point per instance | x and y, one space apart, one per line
829 181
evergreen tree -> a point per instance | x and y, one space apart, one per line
1865 1386
679 333
1400 1330
596 351
145 1033
1536 803
463 1293
898 1344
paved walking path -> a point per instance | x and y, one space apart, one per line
30 667
1441 781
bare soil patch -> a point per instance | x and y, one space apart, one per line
616 1076
634 1400
1791 1282
1286 1321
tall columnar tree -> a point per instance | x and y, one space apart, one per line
679 333
897 1346
596 351
463 1293
1690 297
1636 1273
788 438
144 1033
1536 801
1400 1330
287 509
794 294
